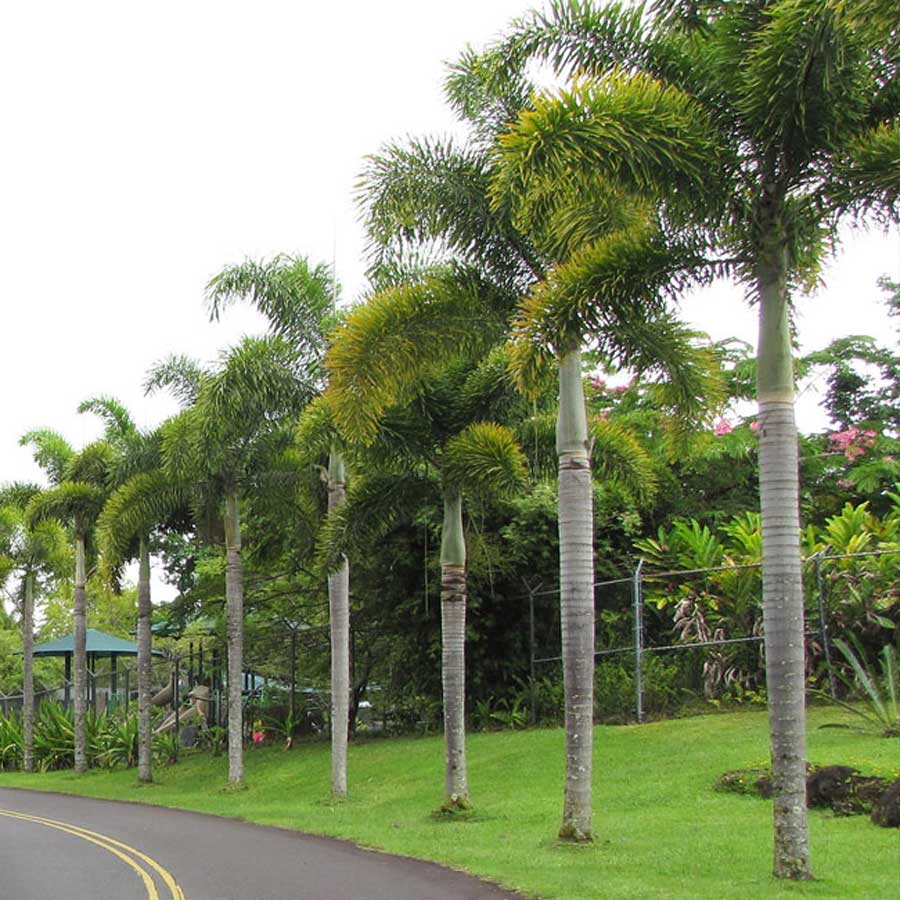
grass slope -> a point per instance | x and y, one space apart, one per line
662 831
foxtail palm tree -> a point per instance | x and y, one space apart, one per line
32 555
217 442
759 125
420 421
299 301
74 499
435 193
142 498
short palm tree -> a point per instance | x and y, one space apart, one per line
418 426
33 556
758 126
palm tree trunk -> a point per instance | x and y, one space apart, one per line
28 672
145 672
453 652
339 612
234 623
782 574
576 578
80 655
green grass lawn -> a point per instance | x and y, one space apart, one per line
662 830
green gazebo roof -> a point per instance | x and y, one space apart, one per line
99 643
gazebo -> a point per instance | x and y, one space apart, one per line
100 645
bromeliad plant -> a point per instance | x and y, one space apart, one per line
880 690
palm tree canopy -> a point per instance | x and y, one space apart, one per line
297 297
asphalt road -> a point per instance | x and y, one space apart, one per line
74 848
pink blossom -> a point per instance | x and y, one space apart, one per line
621 388
598 383
258 737
723 426
889 459
754 426
852 442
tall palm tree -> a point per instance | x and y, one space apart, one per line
759 126
431 193
218 443
32 555
299 301
75 498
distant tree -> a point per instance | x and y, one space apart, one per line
32 556
221 442
79 486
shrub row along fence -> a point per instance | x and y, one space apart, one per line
710 621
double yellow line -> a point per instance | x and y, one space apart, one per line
128 855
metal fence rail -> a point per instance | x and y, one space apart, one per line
639 577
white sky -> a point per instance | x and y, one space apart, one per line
147 145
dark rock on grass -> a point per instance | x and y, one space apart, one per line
826 785
840 788
886 809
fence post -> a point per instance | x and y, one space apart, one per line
532 589
176 699
823 623
638 599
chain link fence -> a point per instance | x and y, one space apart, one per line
670 634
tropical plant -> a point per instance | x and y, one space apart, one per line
143 498
420 424
881 690
300 301
758 126
79 486
434 194
218 447
32 555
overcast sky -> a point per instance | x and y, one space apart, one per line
147 145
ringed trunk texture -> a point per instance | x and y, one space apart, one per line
782 573
145 672
28 673
80 656
234 623
339 613
576 578
453 652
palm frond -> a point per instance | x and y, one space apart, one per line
803 85
617 456
295 296
651 139
136 508
388 344
867 177
373 506
611 283
484 458
179 374
431 195
51 451
71 502
115 416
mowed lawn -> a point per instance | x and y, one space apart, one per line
662 830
